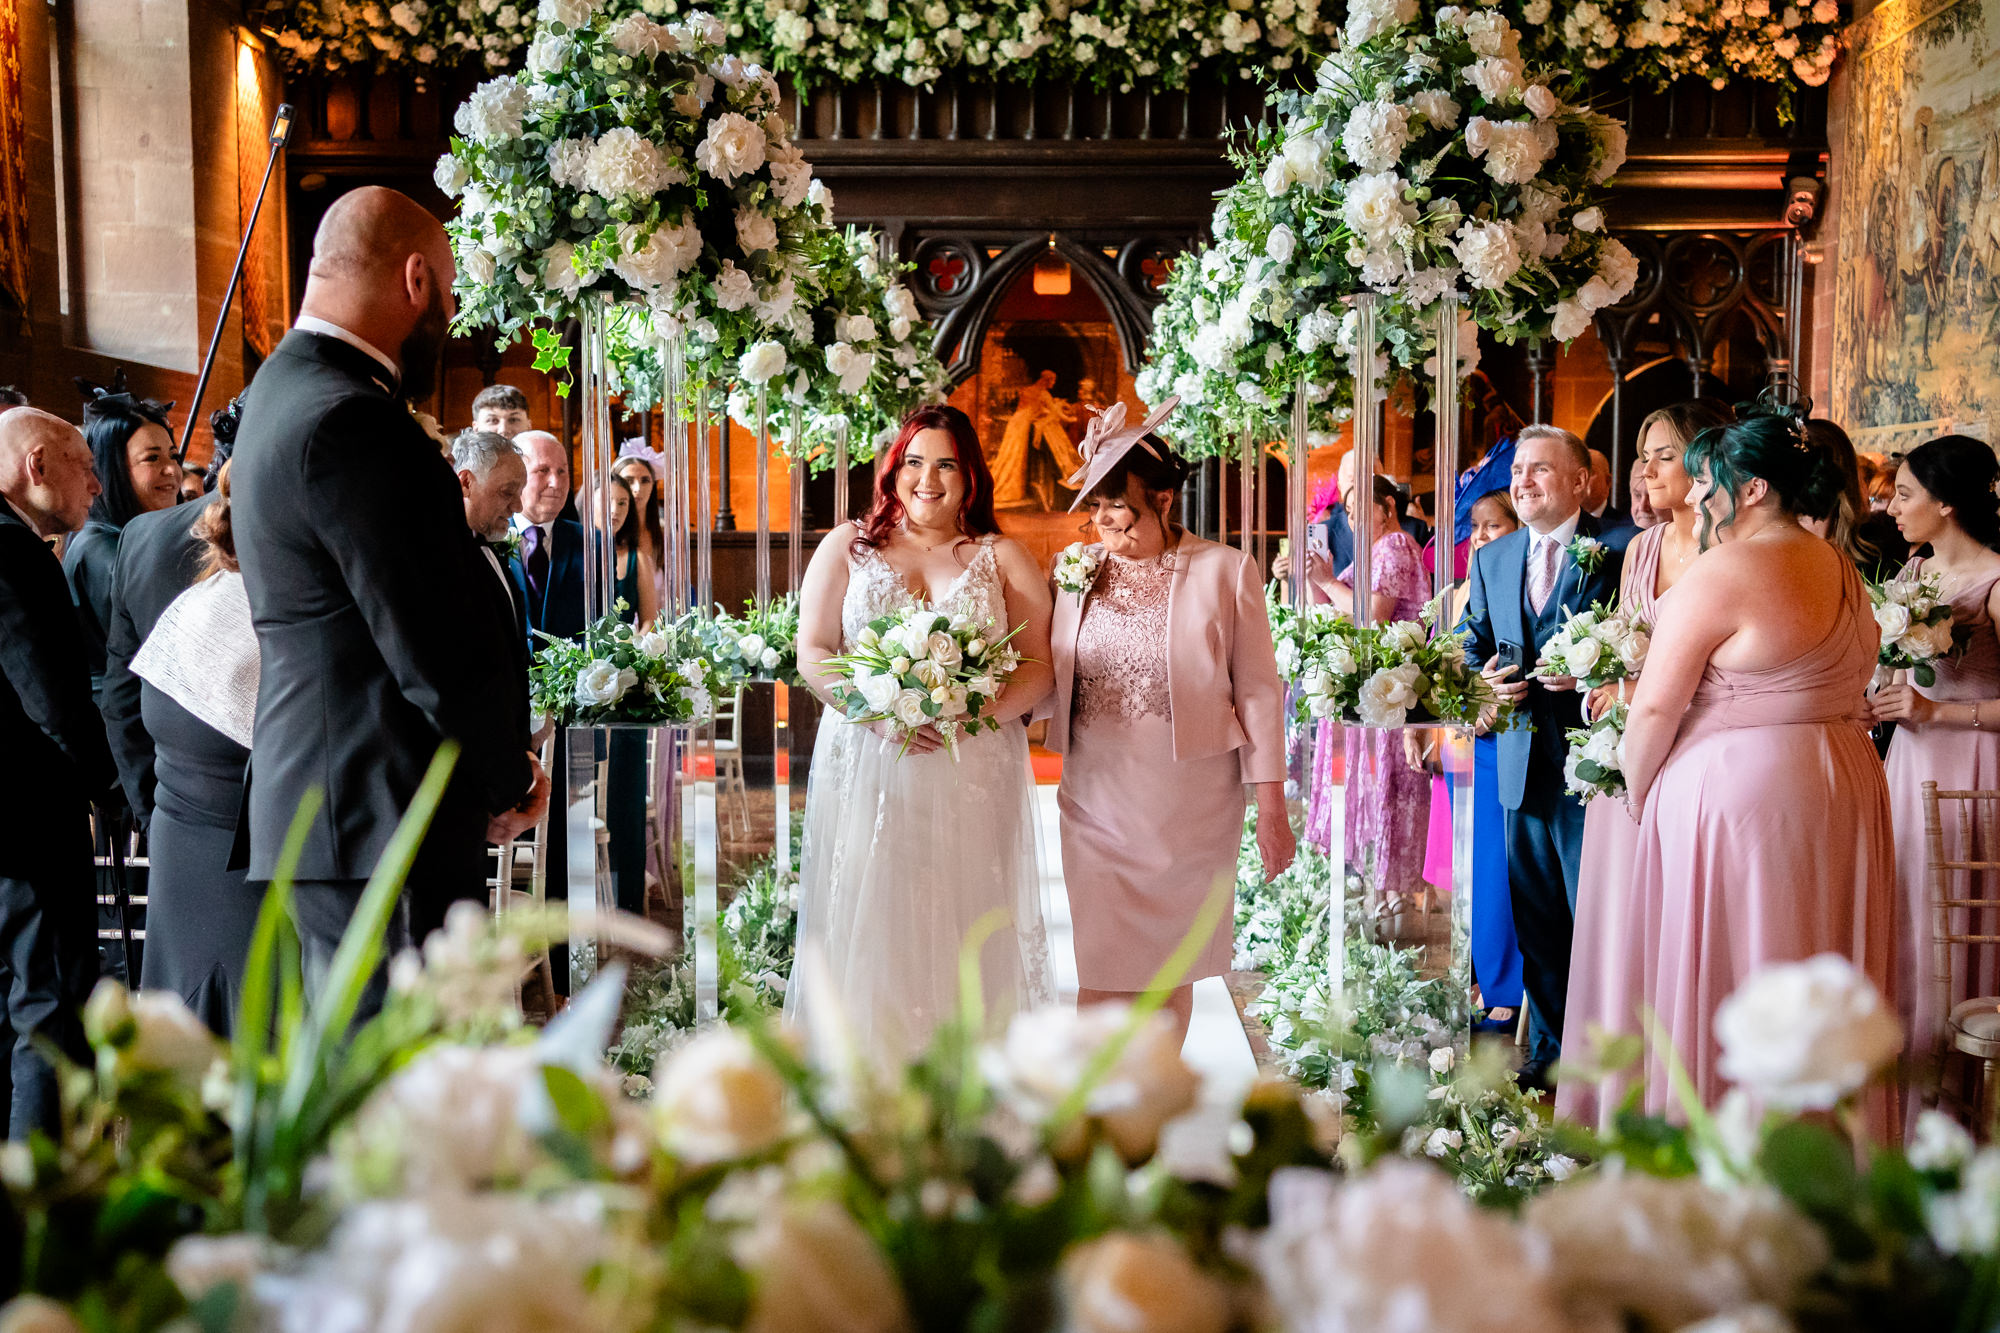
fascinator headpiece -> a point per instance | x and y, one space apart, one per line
652 457
115 399
1108 439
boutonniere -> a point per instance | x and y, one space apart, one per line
508 547
1076 568
432 429
1587 552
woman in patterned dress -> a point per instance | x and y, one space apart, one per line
1167 706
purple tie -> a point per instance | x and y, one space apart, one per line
534 560
1542 574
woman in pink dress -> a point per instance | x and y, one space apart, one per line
1607 981
1944 497
1764 831
1167 706
1388 798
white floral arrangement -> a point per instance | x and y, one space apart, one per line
918 668
1297 637
1076 568
1394 674
863 356
1659 42
1596 646
618 673
1595 764
759 644
634 164
1917 625
415 35
1428 159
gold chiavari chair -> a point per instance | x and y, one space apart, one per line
1960 929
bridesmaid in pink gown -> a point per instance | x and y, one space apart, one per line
1607 980
1944 497
1764 832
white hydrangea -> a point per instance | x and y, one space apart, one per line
625 164
569 162
494 112
1437 108
1317 329
1488 254
1376 134
734 288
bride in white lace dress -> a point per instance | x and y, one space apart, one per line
904 853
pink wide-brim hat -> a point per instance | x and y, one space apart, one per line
1107 440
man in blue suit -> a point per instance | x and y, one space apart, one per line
1523 587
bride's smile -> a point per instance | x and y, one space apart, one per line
930 483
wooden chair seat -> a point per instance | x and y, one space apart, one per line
1975 1026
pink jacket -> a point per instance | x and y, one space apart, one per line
1222 671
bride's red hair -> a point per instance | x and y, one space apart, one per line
975 511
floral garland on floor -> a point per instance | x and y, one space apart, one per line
1126 44
1428 160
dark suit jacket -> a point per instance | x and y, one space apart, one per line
1497 612
57 760
559 609
375 623
158 560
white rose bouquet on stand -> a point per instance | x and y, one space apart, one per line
919 668
1392 675
1598 646
760 644
639 164
617 673
1916 623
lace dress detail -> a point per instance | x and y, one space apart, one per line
903 854
1121 642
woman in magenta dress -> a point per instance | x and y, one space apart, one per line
1388 798
1947 732
1607 980
1764 831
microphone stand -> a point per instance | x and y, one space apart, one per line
281 132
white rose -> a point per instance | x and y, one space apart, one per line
1441 111
1127 1283
929 673
1568 320
1583 656
638 36
1632 650
1388 696
1405 636
653 643
1603 747
762 362
856 328
1443 1141
478 268
717 1099
1967 1221
1802 1036
151 1032
769 659
1588 219
1281 244
879 692
1541 101
658 261
549 53
943 649
1498 78
1893 619
603 683
733 147
734 288
755 230
853 368
1048 1051
909 708
450 175
1928 641
816 1271
1939 1143
1376 210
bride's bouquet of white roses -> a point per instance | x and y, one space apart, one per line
1916 623
1596 647
920 668
1394 674
619 673
1596 762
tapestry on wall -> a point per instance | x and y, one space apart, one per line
13 162
1917 315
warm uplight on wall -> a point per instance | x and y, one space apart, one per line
1051 273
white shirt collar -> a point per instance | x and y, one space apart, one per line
22 514
521 524
1562 534
328 329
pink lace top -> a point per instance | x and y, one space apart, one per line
1121 642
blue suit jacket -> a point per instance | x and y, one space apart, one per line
1497 613
559 610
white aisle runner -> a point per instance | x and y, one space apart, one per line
1216 1046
